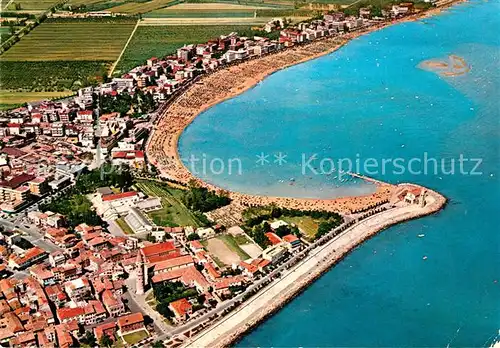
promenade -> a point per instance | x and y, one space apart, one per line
292 281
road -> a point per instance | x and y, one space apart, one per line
31 233
137 303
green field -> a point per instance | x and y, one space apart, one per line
306 224
16 98
173 213
49 76
32 4
72 40
134 337
142 6
124 226
159 41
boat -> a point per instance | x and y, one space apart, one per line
424 258
421 235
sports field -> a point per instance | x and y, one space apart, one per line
72 40
158 41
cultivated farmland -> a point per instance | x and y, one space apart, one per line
142 6
72 40
149 41
36 5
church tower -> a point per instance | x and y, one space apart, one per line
140 274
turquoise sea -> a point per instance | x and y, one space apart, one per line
373 100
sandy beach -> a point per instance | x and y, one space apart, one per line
213 88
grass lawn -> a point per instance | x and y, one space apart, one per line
124 226
306 224
233 245
72 40
241 239
135 337
161 40
173 212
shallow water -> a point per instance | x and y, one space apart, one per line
372 99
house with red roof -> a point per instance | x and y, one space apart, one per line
114 305
273 238
175 263
108 329
130 323
292 241
69 314
158 249
181 309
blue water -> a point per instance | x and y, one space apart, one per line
373 100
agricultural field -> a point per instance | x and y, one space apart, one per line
56 76
173 213
159 41
8 98
72 40
94 5
25 5
219 10
140 7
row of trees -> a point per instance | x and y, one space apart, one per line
201 199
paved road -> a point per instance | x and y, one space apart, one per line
30 233
138 303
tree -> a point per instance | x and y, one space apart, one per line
89 339
158 344
105 341
193 236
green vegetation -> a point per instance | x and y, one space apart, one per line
174 212
106 175
160 41
62 40
167 292
241 239
135 337
139 7
20 77
256 222
62 55
36 5
76 207
124 226
13 99
234 246
306 224
140 103
201 199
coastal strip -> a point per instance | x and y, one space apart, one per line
271 299
232 80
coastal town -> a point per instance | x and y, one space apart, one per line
107 239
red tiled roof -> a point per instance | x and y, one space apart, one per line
181 307
290 238
159 248
130 319
68 313
273 238
119 196
196 244
178 261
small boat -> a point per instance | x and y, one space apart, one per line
424 258
292 179
421 235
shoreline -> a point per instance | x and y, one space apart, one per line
333 256
231 81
